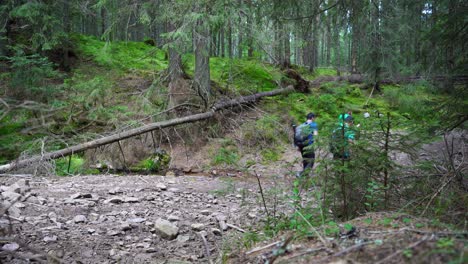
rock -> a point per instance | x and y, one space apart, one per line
50 239
171 181
113 233
205 212
91 231
161 186
81 196
10 247
52 216
170 174
136 220
14 211
20 205
93 217
125 227
80 219
197 227
183 239
221 217
251 215
166 229
115 191
11 196
216 231
151 250
223 225
173 218
131 200
115 200
174 190
59 253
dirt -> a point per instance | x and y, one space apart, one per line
123 232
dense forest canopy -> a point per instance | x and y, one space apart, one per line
381 38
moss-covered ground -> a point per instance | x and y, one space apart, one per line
119 84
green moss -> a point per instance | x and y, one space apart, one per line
76 165
227 156
155 163
127 56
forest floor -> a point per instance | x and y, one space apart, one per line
195 219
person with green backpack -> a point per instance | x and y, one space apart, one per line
304 139
342 137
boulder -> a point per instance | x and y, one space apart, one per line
166 229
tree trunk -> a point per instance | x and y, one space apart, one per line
175 59
103 20
141 130
202 61
3 36
287 50
250 30
230 38
66 29
222 44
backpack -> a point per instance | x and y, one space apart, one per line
303 135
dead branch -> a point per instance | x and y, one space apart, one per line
144 129
235 227
255 250
207 249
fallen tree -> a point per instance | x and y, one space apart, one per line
143 129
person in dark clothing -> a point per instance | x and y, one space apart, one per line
304 139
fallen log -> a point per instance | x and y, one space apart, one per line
143 129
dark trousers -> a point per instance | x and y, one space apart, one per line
308 158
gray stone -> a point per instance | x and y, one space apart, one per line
161 186
166 229
221 217
10 247
131 200
125 227
216 231
91 230
20 205
173 218
81 196
115 191
197 227
52 216
80 219
205 212
114 232
174 190
114 200
11 196
50 239
136 220
183 239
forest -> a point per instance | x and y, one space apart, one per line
166 131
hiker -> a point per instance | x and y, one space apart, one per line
342 137
303 139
